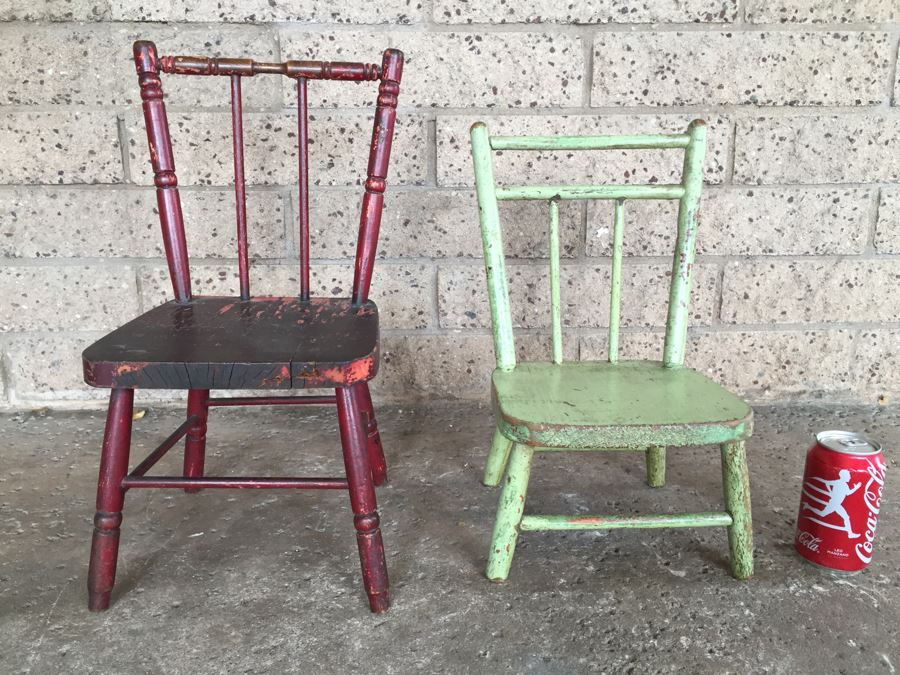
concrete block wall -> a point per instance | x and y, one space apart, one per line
799 255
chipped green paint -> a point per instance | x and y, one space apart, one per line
615 282
633 405
547 192
649 141
496 463
683 261
595 404
492 241
509 513
713 519
736 481
555 310
656 466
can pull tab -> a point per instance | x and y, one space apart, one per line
853 442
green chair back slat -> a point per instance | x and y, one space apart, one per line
492 241
687 193
649 141
615 283
547 192
555 309
683 261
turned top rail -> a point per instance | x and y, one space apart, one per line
310 70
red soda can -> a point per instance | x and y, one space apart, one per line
841 497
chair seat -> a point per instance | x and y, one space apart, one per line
630 404
228 343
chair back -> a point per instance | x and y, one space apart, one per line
693 143
149 66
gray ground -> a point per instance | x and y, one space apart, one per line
254 582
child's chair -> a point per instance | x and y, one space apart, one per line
615 405
199 343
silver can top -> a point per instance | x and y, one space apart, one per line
848 442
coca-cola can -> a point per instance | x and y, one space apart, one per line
840 501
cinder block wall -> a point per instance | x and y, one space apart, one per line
796 283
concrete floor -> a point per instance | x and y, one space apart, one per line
269 582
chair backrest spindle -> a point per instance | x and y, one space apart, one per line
615 281
492 240
687 192
379 155
303 170
683 261
555 309
163 163
149 66
240 186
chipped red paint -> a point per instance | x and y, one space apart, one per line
267 342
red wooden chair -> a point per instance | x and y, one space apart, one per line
201 343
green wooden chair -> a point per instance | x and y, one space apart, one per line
596 405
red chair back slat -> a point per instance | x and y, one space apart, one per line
240 187
303 170
149 65
163 164
379 156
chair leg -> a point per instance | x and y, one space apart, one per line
736 481
373 438
497 459
362 499
509 513
110 498
195 439
656 466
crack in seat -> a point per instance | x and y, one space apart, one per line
229 343
630 404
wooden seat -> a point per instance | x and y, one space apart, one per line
229 343
199 344
619 405
632 404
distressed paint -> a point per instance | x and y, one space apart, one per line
376 173
551 522
683 260
509 513
547 192
168 200
303 184
497 459
224 343
649 141
110 498
555 309
362 499
736 481
203 343
635 404
655 458
492 242
632 405
240 186
615 284
195 439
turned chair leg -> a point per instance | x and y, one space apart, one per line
656 466
736 482
509 513
373 438
362 499
110 498
497 459
195 439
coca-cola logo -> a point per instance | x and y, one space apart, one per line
809 540
872 499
